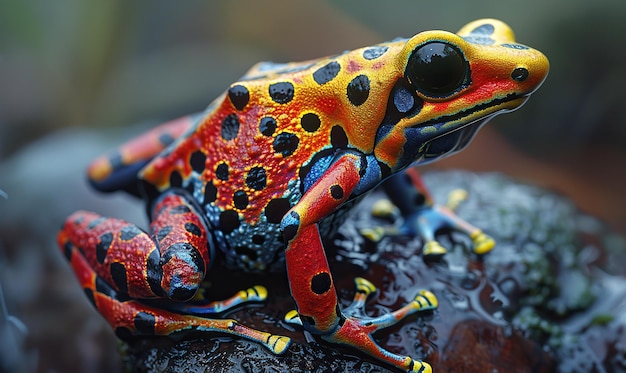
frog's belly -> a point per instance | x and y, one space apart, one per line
260 246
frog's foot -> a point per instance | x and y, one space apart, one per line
429 220
256 293
425 222
129 317
357 328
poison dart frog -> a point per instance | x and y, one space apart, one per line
271 167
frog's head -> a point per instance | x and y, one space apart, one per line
451 85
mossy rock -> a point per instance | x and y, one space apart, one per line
550 296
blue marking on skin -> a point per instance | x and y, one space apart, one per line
371 178
176 285
316 172
289 225
403 100
514 46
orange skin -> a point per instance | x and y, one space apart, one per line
262 174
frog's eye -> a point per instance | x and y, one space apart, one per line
437 69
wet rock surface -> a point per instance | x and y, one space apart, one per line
551 296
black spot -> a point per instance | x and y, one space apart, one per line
79 220
419 200
320 283
310 122
267 126
486 30
94 223
307 320
374 52
240 199
251 254
221 171
336 191
338 137
210 192
67 250
103 245
123 333
118 274
276 209
163 232
326 73
358 90
154 272
180 209
104 288
129 232
281 92
258 239
165 139
176 180
290 232
229 221
230 127
520 74
89 295
197 161
239 96
256 178
286 143
193 229
145 322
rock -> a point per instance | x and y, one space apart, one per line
550 296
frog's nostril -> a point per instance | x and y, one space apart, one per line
519 74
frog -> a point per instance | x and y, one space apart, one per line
272 167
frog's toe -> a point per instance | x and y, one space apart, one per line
278 344
292 317
420 367
433 248
482 242
426 300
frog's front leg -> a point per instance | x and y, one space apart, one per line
424 218
118 265
309 274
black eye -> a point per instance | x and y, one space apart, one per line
437 69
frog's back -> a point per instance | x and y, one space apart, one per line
260 145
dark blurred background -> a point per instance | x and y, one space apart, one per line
78 78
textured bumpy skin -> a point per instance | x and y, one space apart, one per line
279 158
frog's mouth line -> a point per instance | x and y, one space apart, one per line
510 98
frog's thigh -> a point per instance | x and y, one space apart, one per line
117 170
171 263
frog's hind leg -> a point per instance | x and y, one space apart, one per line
133 318
171 262
118 169
424 218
